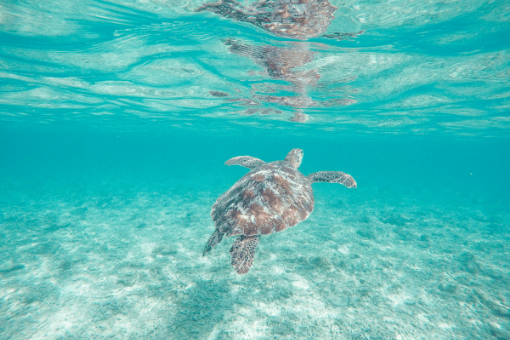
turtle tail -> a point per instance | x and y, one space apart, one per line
215 238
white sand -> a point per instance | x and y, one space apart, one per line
103 261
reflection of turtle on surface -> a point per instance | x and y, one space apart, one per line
301 19
270 198
280 63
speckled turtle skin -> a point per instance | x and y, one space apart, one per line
268 199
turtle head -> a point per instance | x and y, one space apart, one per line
294 157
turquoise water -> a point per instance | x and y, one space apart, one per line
116 119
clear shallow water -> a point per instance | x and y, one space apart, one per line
111 155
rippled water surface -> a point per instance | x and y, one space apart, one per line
419 67
116 119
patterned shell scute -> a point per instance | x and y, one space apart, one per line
268 199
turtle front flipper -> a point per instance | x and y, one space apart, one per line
246 161
242 252
333 177
215 238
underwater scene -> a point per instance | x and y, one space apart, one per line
280 169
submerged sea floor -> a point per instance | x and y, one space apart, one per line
92 260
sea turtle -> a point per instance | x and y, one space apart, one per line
270 198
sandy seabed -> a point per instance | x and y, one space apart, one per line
106 261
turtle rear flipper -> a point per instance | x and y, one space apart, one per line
242 252
246 161
333 177
215 238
